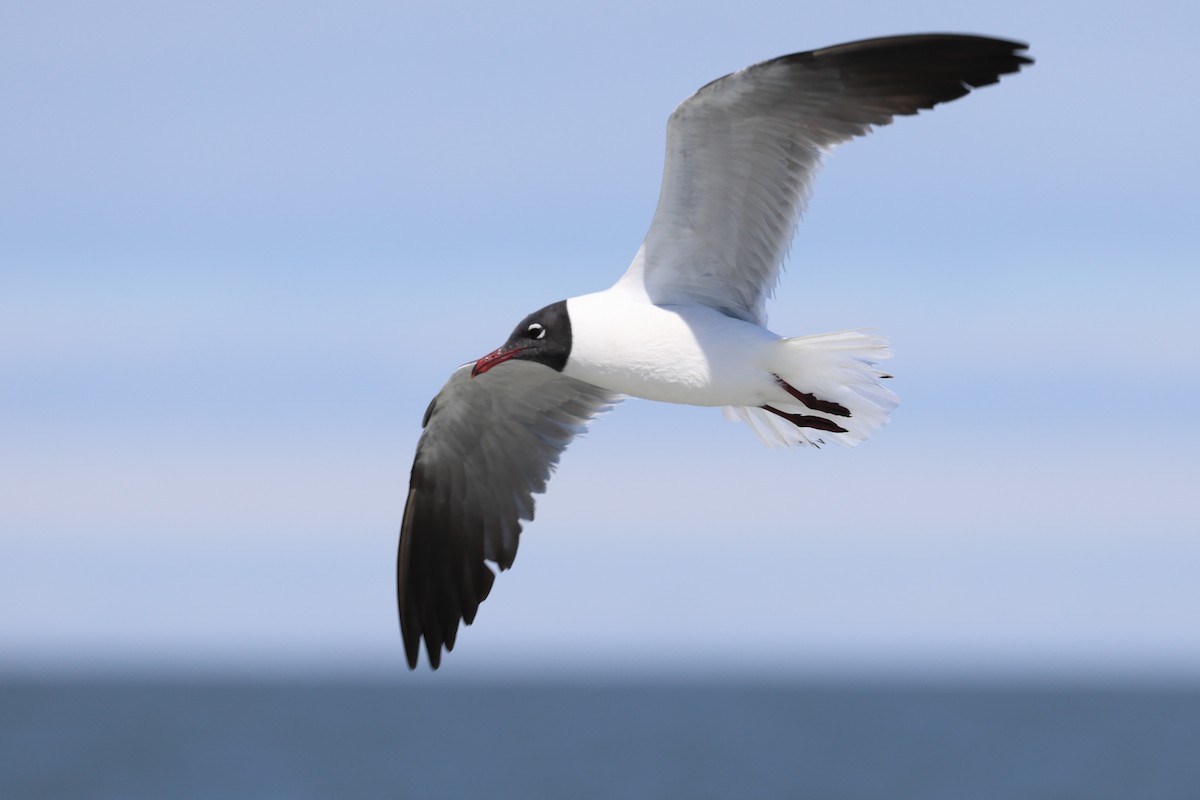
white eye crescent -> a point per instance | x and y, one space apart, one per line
536 331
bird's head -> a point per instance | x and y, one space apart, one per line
544 337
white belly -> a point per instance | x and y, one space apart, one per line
676 354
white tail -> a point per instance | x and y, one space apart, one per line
835 369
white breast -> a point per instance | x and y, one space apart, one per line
676 354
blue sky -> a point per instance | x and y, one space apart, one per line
242 245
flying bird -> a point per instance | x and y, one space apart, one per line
686 323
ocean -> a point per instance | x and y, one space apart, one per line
721 739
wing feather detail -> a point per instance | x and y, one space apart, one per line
742 152
489 444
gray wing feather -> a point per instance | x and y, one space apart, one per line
489 444
742 152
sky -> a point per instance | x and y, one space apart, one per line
243 244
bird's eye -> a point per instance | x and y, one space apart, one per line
536 331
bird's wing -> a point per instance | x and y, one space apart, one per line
742 152
489 444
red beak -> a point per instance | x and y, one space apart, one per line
492 359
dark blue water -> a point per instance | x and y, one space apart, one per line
724 740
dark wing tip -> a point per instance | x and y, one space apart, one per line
923 47
440 578
880 78
905 74
870 81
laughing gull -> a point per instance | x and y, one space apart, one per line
686 323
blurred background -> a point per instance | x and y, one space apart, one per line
243 244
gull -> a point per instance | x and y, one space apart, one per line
685 323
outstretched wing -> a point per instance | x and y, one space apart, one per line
742 152
489 444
